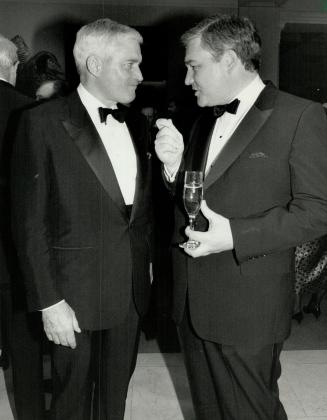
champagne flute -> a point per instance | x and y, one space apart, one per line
192 197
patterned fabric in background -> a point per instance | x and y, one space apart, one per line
311 266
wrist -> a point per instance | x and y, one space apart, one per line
172 168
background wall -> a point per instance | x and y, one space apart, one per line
43 24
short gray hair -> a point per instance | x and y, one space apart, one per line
8 53
94 38
221 32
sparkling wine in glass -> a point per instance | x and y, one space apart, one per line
192 197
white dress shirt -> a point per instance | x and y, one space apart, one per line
117 141
227 123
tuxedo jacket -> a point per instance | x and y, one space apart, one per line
74 238
270 181
11 101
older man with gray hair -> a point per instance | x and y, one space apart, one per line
82 223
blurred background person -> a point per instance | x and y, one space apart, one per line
22 340
50 89
41 67
310 277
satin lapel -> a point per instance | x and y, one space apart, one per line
81 129
244 134
197 153
138 136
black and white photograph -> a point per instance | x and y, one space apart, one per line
163 210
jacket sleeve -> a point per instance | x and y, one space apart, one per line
305 216
30 192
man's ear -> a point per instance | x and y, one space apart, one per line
94 65
231 60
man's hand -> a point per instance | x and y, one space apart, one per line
169 144
218 237
60 323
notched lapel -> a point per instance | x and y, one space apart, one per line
86 138
244 134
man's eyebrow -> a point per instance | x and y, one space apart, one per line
134 60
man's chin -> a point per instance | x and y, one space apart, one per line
129 98
201 103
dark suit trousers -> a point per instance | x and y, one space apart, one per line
231 382
94 377
26 335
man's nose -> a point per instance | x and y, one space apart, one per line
138 74
188 78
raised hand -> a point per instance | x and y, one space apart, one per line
169 144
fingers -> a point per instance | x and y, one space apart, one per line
207 213
169 143
168 132
164 122
56 339
218 238
75 324
195 234
70 340
167 138
64 337
196 252
60 323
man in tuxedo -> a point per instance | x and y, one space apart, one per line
263 154
82 211
22 330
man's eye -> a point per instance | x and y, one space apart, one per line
193 67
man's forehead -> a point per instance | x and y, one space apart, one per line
125 45
196 52
125 40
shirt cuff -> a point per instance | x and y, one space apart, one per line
52 306
170 177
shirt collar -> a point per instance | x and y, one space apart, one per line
250 93
90 102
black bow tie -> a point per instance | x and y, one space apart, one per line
219 110
119 114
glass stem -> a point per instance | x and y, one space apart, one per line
192 223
